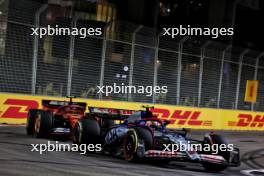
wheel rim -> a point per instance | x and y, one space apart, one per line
129 146
37 124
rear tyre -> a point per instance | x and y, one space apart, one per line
43 124
32 113
217 139
86 131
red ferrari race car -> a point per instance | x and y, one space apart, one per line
55 118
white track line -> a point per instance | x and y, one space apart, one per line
249 172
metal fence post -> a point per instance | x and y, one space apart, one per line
256 73
221 75
156 66
239 76
35 50
103 55
201 72
179 69
71 56
132 55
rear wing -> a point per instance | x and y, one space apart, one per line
110 113
53 104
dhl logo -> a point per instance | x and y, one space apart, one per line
181 117
18 108
247 120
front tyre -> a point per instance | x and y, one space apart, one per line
136 142
130 145
216 139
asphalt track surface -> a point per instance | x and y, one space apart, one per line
17 159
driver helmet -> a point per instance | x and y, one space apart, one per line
146 114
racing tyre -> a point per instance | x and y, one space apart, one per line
32 113
86 131
43 124
132 151
146 136
216 139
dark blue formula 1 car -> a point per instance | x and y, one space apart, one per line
141 135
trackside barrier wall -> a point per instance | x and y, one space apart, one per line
14 107
197 73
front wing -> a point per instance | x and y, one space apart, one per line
181 156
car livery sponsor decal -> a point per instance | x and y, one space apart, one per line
18 108
181 117
248 120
